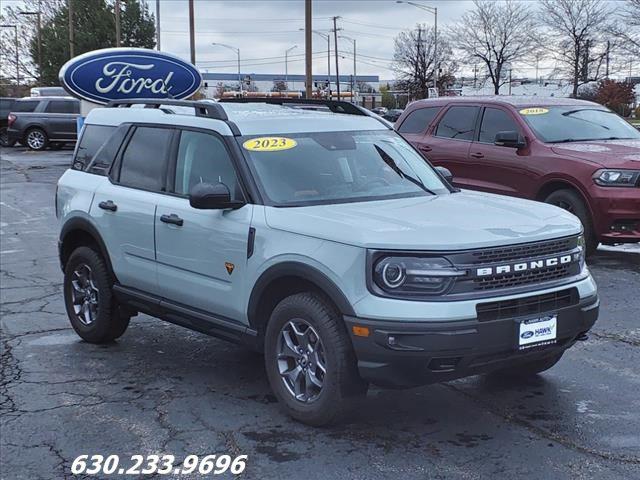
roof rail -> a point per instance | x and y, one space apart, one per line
335 106
208 109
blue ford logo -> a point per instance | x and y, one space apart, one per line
121 73
527 334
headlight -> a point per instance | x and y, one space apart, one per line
583 251
406 276
616 178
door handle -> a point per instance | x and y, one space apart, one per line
477 155
425 148
108 205
172 219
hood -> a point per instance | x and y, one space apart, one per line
608 153
457 221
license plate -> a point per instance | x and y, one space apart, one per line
537 332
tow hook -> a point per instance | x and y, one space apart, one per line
583 337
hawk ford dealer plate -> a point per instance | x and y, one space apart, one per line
537 332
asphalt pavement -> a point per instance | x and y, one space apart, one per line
164 389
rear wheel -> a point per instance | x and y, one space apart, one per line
4 138
573 203
91 306
310 360
36 139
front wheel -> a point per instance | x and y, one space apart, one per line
36 139
91 307
573 203
310 361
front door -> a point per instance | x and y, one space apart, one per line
202 254
499 169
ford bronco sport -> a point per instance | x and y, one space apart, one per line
322 239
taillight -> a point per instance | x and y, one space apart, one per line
11 119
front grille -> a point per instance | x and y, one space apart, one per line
534 305
522 278
528 250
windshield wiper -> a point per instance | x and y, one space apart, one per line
394 166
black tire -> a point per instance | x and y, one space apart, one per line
341 386
573 203
108 321
4 138
36 139
529 369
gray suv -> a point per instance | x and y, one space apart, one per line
40 122
322 239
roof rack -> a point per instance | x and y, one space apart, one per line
202 109
335 106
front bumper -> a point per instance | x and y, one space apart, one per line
616 213
421 353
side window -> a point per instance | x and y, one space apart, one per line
62 106
495 120
418 120
458 123
203 158
93 136
25 106
105 155
145 159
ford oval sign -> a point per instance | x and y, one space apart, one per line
121 73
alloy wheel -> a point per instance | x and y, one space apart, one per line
84 294
35 139
301 360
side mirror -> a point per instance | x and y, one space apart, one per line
445 173
511 139
207 196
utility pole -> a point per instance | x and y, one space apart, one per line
308 52
607 68
419 57
475 76
510 79
71 32
158 24
436 63
15 27
117 12
335 42
192 35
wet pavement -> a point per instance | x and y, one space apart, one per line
163 389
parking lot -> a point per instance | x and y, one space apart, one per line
163 389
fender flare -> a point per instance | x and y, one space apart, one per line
297 269
82 224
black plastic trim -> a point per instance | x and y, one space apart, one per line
81 224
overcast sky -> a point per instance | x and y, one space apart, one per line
263 30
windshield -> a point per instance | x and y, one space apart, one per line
576 124
338 167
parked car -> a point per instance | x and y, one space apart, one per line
393 114
323 239
571 153
39 122
380 110
5 108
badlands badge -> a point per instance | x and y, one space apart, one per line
229 266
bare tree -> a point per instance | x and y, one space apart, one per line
496 34
626 27
413 61
575 38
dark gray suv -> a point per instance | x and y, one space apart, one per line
40 122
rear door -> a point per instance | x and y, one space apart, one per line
124 206
202 254
61 119
414 127
447 143
498 169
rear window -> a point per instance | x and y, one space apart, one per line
25 105
458 123
418 120
93 137
63 106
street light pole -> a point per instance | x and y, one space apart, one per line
327 37
39 17
286 65
116 7
434 10
15 27
71 32
158 24
237 50
355 76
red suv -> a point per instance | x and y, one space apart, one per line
575 154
